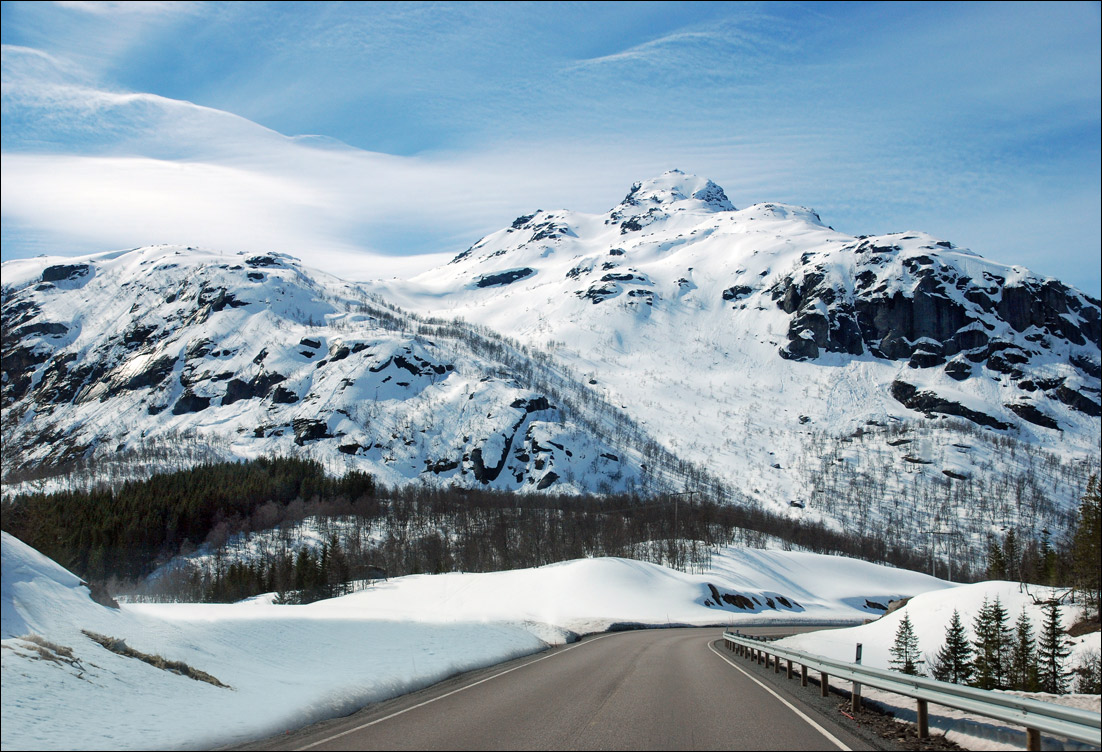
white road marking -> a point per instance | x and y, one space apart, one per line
454 691
835 740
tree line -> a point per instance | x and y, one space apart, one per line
998 655
125 532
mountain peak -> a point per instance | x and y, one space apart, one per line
674 189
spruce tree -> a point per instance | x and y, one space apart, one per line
1023 656
1087 546
954 661
1048 559
1012 556
996 562
992 644
904 650
1052 649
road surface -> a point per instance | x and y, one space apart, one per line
661 689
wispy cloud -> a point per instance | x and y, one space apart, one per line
977 123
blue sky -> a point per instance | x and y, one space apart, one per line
373 138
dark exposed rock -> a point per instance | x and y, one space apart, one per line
958 369
503 278
600 293
930 402
61 272
925 359
259 386
263 261
1078 401
349 448
282 396
1087 365
1028 411
190 403
138 334
199 348
309 429
737 292
153 375
532 405
624 277
441 465
545 482
311 343
943 318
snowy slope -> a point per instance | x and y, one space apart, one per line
289 665
930 614
798 362
254 354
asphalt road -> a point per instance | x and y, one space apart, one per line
665 689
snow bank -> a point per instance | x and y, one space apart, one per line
286 666
930 613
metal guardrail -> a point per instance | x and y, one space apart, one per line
1036 716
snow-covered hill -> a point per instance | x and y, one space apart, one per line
286 666
255 354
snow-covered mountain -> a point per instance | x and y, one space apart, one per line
254 354
880 383
674 279
799 363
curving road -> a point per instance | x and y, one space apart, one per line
665 689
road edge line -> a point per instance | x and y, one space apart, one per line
449 694
837 742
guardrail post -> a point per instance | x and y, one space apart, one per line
1032 740
824 685
761 656
788 668
855 695
923 720
803 675
776 664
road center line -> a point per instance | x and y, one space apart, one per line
455 691
837 742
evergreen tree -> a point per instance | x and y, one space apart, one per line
1048 559
1023 656
1052 649
954 661
996 562
992 645
1012 556
904 650
1087 547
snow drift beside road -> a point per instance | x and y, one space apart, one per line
290 665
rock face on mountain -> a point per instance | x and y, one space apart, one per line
256 354
909 298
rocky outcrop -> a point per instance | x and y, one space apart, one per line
503 278
905 302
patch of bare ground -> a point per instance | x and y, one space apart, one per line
1085 626
883 724
119 646
39 648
